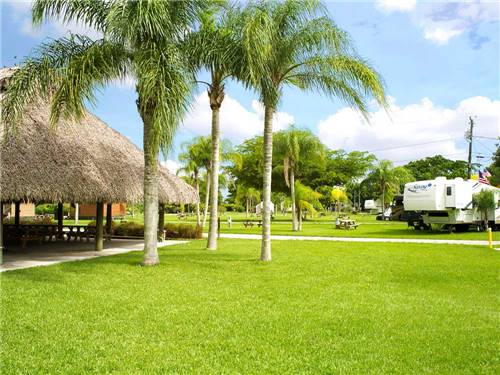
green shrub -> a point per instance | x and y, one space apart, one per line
45 209
182 231
129 229
31 220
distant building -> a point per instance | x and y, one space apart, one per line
90 210
25 210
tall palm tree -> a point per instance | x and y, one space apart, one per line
217 47
293 145
141 39
295 43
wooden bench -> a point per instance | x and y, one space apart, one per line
250 224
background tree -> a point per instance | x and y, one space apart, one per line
386 181
494 168
195 157
337 196
431 167
248 196
141 39
295 43
484 201
344 167
307 201
292 146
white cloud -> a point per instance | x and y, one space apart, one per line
442 21
237 123
390 6
172 165
441 35
21 12
410 125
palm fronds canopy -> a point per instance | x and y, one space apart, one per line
82 162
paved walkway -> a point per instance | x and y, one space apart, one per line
359 239
59 252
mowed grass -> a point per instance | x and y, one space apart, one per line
324 226
318 307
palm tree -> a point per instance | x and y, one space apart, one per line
194 158
338 195
141 39
306 199
293 145
389 179
197 157
250 195
217 47
295 43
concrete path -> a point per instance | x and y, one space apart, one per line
358 239
59 252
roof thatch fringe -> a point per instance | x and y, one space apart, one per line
82 162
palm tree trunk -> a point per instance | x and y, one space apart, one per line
151 178
292 194
198 219
247 203
265 253
207 197
300 219
383 198
214 191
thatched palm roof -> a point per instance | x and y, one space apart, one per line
82 162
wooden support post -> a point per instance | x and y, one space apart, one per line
99 226
161 222
60 218
17 213
77 213
109 220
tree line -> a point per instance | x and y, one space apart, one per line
307 176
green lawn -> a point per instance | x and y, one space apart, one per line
319 307
324 226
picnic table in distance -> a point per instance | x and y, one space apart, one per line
251 223
346 224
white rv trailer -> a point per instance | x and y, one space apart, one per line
443 201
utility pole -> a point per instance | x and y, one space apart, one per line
469 137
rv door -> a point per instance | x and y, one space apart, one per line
450 196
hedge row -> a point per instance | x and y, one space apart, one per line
131 229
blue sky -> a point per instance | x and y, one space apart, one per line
440 62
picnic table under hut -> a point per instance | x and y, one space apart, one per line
74 162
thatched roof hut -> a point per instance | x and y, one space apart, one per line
82 162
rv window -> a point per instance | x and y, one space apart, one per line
448 190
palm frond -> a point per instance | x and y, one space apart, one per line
90 13
66 71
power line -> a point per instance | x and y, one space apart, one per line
481 136
408 160
412 145
486 147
